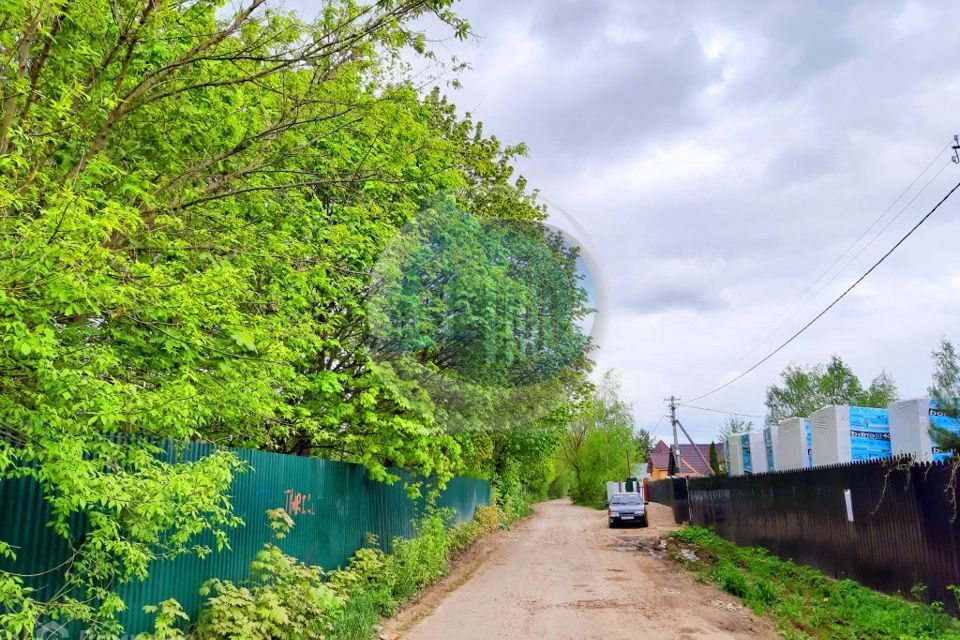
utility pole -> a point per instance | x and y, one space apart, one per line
676 440
673 421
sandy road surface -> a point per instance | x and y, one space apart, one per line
563 574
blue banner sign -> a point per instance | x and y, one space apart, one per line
806 429
869 434
745 445
940 417
768 445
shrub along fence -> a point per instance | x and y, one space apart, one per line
334 505
888 527
672 492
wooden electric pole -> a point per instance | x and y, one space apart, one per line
673 421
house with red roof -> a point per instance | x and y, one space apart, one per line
662 462
658 464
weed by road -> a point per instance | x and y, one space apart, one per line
805 604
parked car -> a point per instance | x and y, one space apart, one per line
627 508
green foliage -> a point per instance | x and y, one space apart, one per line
140 510
510 495
955 590
804 390
946 372
374 584
193 196
714 460
946 390
285 599
945 439
495 302
805 604
167 620
280 522
733 425
643 441
599 441
732 580
485 520
422 559
559 487
20 610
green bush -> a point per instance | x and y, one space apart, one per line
284 599
805 604
510 495
287 599
763 592
732 580
485 520
168 616
420 560
559 486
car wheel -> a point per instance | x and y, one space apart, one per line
612 524
643 521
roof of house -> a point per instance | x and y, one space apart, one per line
689 460
660 455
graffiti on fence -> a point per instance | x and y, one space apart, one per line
297 503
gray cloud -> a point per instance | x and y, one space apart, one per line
671 299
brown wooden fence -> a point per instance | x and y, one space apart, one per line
673 493
888 528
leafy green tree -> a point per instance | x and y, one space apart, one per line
945 389
493 302
881 392
946 372
194 196
714 460
598 441
804 390
733 425
643 442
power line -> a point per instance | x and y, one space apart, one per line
837 299
847 263
657 426
732 413
873 239
768 330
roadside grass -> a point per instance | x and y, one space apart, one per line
805 604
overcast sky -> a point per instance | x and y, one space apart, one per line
720 156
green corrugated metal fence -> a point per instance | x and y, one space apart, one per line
334 505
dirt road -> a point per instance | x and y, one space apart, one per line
562 574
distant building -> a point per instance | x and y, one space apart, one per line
663 464
659 462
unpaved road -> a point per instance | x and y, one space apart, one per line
562 574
